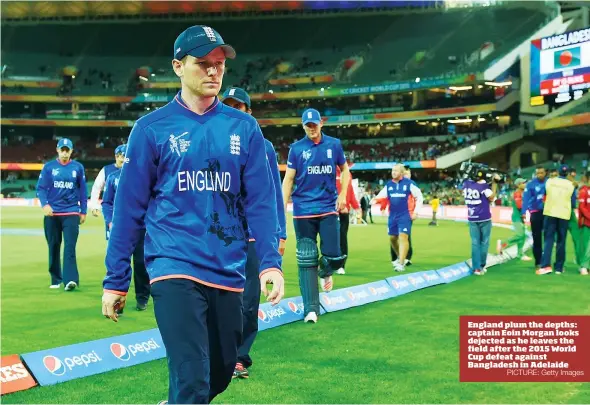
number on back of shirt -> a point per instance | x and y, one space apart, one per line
471 194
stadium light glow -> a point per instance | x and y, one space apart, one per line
73 76
499 84
460 121
417 80
270 91
481 119
143 78
153 74
459 88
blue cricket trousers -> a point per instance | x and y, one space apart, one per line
250 307
201 328
55 227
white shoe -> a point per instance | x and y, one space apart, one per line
583 272
71 286
311 317
327 284
525 258
340 271
499 249
395 262
399 267
54 286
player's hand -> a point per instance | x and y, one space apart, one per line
282 243
275 278
414 216
111 303
95 212
341 203
48 211
82 218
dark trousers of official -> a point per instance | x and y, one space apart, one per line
537 230
250 307
552 227
201 328
141 278
69 227
410 250
344 224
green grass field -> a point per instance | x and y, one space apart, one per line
403 350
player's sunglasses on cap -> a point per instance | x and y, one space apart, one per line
65 143
237 94
199 41
311 115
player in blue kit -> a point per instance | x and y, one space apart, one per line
311 166
141 279
240 100
398 190
62 192
100 181
196 177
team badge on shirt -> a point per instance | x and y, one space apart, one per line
234 144
179 145
55 172
306 155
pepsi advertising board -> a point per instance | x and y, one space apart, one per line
560 67
99 356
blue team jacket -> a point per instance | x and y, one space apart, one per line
63 187
198 182
108 197
271 155
533 198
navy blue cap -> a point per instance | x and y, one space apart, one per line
311 115
237 94
198 41
65 142
121 149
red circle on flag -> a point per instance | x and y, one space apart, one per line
565 58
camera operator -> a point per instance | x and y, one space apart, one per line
478 195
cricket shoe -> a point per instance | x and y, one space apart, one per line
559 272
327 283
341 271
479 272
240 372
311 317
525 258
54 286
408 262
399 267
583 271
71 286
544 270
141 306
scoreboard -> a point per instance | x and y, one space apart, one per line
560 67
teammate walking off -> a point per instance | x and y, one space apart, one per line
240 100
62 192
198 177
519 237
311 166
533 200
398 191
411 208
141 279
100 182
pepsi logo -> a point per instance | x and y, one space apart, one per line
372 291
54 365
351 295
296 309
326 300
262 316
120 351
395 284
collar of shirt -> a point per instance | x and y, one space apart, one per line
181 103
312 142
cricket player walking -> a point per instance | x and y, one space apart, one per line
100 182
311 166
62 192
197 176
398 191
240 100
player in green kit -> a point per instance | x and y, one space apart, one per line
519 236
